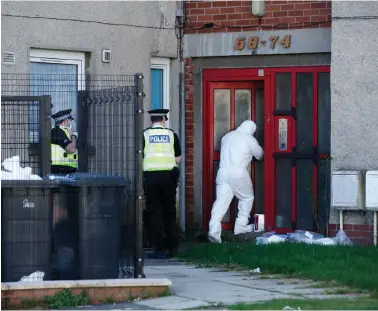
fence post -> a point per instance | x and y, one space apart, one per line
83 130
139 254
45 128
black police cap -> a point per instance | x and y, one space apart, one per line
159 113
62 115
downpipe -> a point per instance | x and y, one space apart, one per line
182 143
341 220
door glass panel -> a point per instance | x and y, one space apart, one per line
324 186
259 166
222 110
243 102
305 197
283 193
304 100
324 113
282 93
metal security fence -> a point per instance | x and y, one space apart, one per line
108 113
19 135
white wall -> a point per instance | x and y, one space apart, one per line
354 85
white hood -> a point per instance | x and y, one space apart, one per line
248 127
238 147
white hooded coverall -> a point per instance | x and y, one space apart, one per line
233 179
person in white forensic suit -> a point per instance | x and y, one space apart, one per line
238 147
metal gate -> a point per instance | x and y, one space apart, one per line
108 111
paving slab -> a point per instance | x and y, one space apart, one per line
216 286
172 303
283 286
113 307
194 287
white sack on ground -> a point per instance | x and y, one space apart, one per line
11 164
13 170
301 236
34 277
6 175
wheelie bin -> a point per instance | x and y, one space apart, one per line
26 229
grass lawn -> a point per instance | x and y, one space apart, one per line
356 267
324 304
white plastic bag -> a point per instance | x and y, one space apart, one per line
302 236
341 238
11 164
324 241
269 240
34 277
6 175
13 170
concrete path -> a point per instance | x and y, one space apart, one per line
199 287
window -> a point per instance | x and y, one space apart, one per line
59 74
160 82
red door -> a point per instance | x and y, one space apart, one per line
231 104
301 113
291 107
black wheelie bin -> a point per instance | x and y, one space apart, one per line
99 201
26 229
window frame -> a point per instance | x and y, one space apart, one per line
164 64
61 57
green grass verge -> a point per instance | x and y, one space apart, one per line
313 304
356 267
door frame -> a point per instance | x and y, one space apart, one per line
223 75
233 85
265 75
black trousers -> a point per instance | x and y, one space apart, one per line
160 213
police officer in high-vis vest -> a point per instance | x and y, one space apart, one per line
162 155
64 155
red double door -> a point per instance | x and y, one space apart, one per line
287 105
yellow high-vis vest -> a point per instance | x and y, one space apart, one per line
159 152
59 156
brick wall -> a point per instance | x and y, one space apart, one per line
235 16
359 234
189 146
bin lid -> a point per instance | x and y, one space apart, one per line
14 183
90 179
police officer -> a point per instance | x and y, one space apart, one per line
64 160
64 155
162 154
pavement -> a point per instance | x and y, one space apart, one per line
194 287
